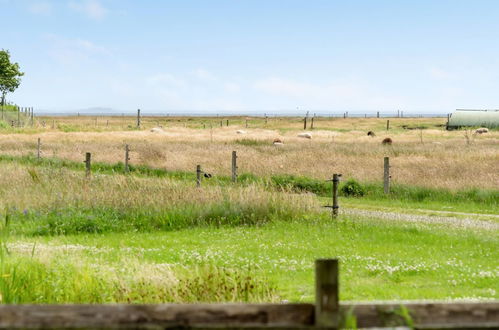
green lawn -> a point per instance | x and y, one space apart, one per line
380 260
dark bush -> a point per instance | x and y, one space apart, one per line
352 188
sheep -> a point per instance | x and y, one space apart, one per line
240 131
482 130
157 130
387 141
371 134
305 135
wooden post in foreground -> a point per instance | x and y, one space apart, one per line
305 123
88 157
386 175
336 181
38 149
388 124
138 118
127 158
326 293
198 175
234 166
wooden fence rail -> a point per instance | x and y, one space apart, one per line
423 315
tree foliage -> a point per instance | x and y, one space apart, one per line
10 75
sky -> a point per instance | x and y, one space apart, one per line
243 56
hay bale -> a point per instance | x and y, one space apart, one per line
387 141
305 135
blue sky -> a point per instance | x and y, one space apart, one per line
254 55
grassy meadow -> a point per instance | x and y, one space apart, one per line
151 235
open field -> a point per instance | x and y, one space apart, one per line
152 236
430 157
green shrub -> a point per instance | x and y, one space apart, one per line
352 188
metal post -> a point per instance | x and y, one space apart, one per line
198 175
336 181
18 117
326 293
88 157
386 175
127 158
138 118
38 149
377 114
32 116
234 166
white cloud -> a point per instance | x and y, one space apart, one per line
439 74
73 51
91 8
41 8
204 75
347 93
232 87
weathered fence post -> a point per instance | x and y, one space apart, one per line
386 175
266 119
138 118
234 166
326 293
312 123
377 114
388 124
336 181
227 123
32 116
88 157
198 175
246 123
127 158
305 123
221 123
38 149
18 117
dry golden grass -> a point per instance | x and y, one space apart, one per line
431 157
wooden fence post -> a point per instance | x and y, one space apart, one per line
32 116
198 175
38 149
386 175
305 123
312 123
18 117
388 124
88 157
234 166
336 181
221 123
246 123
326 293
138 118
266 119
227 123
127 158
377 114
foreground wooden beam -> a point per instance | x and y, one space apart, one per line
422 315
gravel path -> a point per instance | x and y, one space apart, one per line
429 219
